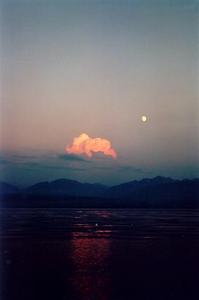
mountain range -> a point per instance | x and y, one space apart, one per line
149 192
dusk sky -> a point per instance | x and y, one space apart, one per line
95 67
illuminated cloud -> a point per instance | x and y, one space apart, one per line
84 144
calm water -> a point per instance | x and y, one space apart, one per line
100 254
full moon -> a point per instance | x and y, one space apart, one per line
144 118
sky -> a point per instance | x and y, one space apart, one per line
95 67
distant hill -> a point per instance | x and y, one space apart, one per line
158 192
6 188
129 189
146 193
67 187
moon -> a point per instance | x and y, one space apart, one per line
144 119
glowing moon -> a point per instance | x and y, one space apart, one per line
144 119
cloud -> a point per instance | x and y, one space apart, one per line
4 161
19 158
52 167
84 144
72 157
130 169
122 169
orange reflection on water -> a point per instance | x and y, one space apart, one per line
103 214
90 257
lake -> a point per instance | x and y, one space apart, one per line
99 254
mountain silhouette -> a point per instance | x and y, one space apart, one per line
158 192
66 187
147 193
6 188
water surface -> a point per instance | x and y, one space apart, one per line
101 254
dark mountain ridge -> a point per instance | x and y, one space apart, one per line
66 187
6 188
148 192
